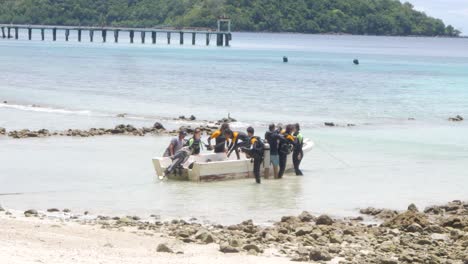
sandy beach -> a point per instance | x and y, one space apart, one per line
33 240
439 234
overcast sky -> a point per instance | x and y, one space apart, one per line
454 12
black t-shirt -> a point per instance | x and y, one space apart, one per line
272 139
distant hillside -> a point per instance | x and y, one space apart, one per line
374 17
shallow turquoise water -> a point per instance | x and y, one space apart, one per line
386 160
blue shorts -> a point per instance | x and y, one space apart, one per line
274 159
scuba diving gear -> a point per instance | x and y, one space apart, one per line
178 159
220 143
235 144
195 146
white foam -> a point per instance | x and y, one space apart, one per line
42 109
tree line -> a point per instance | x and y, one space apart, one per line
364 17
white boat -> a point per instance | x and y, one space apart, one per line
218 167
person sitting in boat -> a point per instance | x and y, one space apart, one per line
192 147
176 144
255 152
286 144
237 140
220 139
195 144
178 159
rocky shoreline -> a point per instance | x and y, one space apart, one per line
439 234
207 127
122 129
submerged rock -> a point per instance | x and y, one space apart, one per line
228 119
330 124
379 213
158 125
457 118
26 133
30 212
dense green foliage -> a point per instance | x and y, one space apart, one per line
376 17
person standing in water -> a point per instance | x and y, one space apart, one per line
298 154
255 151
272 137
176 144
220 139
287 141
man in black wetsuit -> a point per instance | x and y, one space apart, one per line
287 141
255 151
272 137
298 154
237 140
220 139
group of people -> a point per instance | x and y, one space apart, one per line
281 141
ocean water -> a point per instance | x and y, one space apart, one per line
386 160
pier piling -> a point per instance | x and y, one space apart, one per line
219 39
228 38
223 38
132 35
116 36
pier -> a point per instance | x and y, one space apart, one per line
223 38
